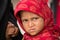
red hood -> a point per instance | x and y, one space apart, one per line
38 7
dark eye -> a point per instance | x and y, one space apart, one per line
24 20
35 18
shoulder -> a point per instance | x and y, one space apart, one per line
56 32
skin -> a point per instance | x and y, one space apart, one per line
32 23
11 31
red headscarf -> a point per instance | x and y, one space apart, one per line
40 8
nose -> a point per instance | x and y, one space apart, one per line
30 24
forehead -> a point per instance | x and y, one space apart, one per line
28 14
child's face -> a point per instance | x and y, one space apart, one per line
32 23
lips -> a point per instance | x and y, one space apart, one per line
32 29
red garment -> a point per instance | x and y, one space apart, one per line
40 8
58 13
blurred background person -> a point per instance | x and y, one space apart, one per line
6 16
58 12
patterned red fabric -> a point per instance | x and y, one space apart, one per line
40 8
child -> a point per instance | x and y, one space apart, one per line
36 19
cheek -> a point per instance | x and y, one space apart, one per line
39 24
25 26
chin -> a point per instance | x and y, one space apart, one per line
33 34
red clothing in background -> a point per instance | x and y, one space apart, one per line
58 13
